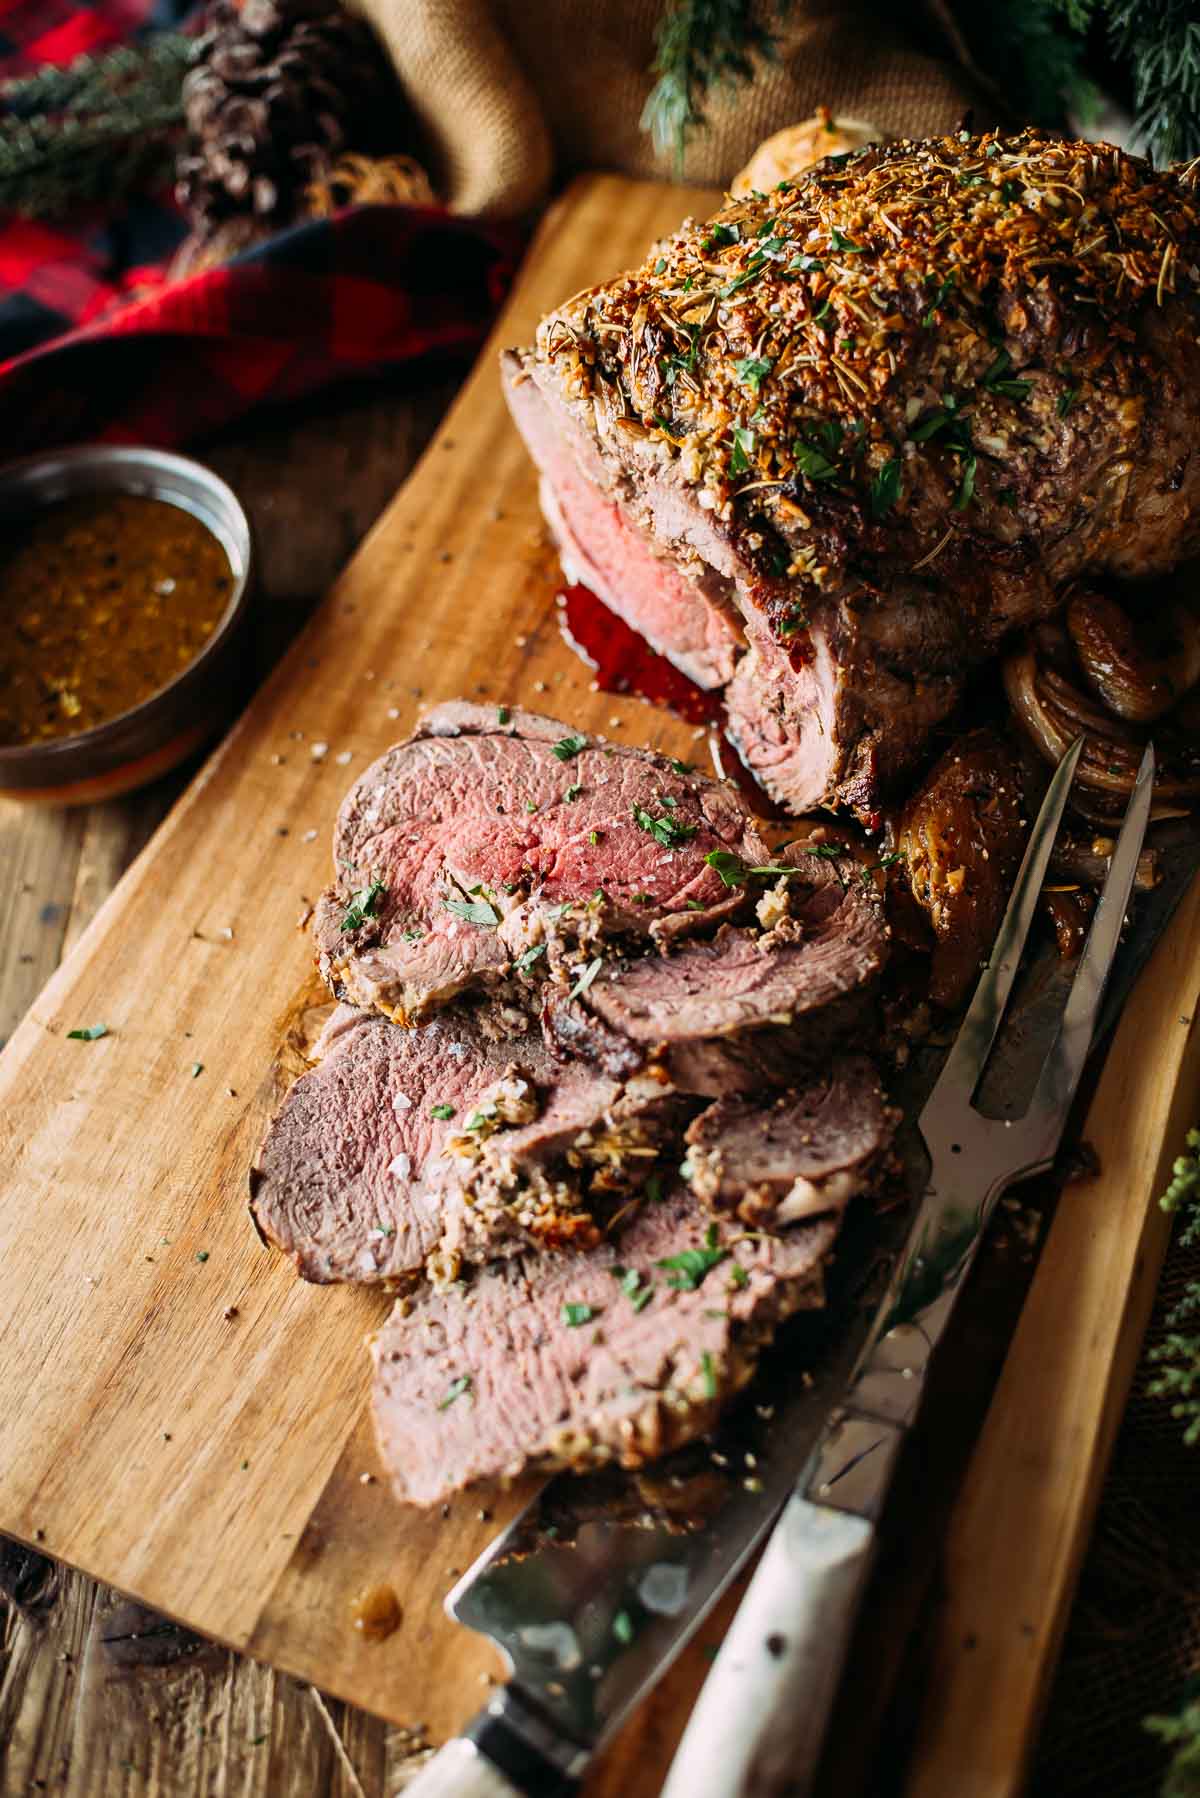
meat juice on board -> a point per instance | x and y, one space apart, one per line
623 662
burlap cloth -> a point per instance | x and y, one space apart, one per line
512 97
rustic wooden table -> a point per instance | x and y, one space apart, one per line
97 1695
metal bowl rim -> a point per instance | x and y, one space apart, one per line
28 473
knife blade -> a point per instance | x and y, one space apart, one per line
594 1590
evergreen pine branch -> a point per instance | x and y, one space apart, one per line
1034 53
1160 42
91 130
1180 1731
1179 1354
701 47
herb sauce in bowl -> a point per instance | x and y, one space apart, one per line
104 599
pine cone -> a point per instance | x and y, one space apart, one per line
280 89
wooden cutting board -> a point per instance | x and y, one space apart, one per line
184 1419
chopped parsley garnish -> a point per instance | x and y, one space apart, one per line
842 243
474 910
885 488
996 379
709 1372
679 767
718 237
660 266
90 1033
743 449
622 1628
593 837
966 487
812 463
502 714
753 371
738 1276
793 620
443 1111
572 792
1010 191
753 269
530 806
202 1254
668 831
575 1315
363 904
585 979
479 1120
734 871
566 747
1066 400
884 862
630 1282
528 956
197 1069
455 1390
947 423
689 1269
654 1188
804 264
939 299
935 422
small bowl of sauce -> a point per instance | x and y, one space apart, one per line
124 581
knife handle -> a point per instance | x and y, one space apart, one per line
461 1770
507 1751
758 1725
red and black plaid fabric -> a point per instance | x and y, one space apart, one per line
94 342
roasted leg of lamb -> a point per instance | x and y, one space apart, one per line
829 447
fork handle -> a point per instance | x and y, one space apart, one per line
758 1726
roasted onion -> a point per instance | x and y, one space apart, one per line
960 839
1084 861
1133 681
1053 712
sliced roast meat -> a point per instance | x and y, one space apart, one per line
458 850
753 1006
682 611
796 1156
801 412
562 1360
352 1180
558 1178
406 1150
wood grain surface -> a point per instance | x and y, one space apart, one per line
154 1426
98 1696
1019 1532
214 1465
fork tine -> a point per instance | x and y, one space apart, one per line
972 1046
1064 1063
